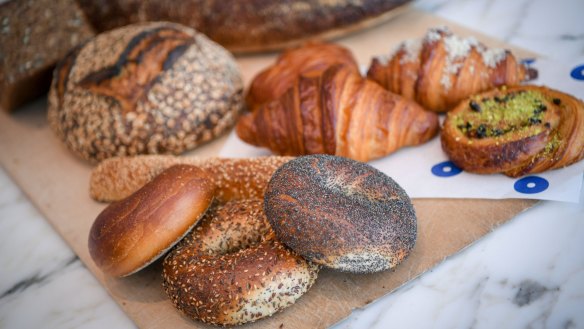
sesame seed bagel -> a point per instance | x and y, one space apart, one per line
130 234
341 213
246 178
230 270
147 88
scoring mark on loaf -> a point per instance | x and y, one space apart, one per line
145 89
138 67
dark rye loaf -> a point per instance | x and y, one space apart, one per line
34 35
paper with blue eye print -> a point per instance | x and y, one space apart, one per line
424 171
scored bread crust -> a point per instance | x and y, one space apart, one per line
149 88
248 25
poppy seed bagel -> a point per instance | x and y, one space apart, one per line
147 88
341 213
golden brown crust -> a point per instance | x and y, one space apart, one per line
341 213
250 25
229 270
308 60
442 69
516 131
144 89
117 178
340 113
126 236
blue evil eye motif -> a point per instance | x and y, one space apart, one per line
446 169
528 61
531 185
578 72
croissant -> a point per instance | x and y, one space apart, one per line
442 69
340 113
516 131
310 59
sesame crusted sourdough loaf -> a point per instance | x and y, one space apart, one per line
516 131
144 89
441 69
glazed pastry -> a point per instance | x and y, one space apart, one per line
516 131
442 69
130 234
309 60
338 113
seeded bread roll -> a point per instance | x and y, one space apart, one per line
229 270
341 213
247 25
132 233
144 89
116 178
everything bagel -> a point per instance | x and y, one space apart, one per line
230 270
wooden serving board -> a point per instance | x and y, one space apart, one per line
57 183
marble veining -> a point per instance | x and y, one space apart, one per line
528 273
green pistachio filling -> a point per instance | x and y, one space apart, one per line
502 114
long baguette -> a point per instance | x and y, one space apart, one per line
117 178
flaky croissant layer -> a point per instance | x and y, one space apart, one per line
339 113
311 59
441 69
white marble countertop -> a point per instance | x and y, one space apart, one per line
528 273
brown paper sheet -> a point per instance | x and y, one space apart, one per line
57 183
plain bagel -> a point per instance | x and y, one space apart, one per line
230 270
341 213
132 233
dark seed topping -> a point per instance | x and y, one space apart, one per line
547 125
497 132
482 131
557 101
474 106
540 108
534 120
